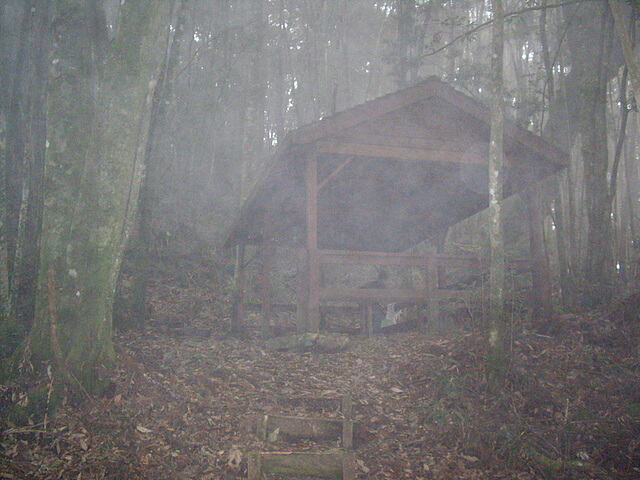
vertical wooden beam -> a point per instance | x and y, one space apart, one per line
347 423
254 466
313 304
349 466
433 307
347 406
237 312
541 276
302 291
261 427
368 320
265 277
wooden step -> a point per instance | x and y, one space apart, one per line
271 427
338 466
344 402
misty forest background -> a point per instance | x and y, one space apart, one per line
131 131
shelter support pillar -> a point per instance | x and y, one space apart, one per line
313 257
302 291
237 312
433 307
541 276
265 277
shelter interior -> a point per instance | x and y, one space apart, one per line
364 186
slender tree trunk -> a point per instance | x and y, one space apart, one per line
405 11
148 197
627 49
497 359
98 128
252 141
26 137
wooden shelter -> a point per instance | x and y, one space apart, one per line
364 185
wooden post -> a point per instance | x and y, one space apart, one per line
261 427
302 294
347 406
267 265
349 466
313 304
368 320
254 466
433 307
347 423
238 294
541 276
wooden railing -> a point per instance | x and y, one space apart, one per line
430 261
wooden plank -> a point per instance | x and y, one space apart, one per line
346 293
433 306
368 321
293 308
302 291
450 260
254 466
446 294
237 312
451 143
267 266
313 315
347 406
261 426
347 433
346 257
312 201
282 427
336 171
330 465
325 402
349 466
399 153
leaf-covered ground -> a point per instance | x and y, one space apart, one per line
184 392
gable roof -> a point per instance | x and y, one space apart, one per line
391 171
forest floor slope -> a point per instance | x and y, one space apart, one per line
183 394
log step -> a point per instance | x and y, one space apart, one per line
337 466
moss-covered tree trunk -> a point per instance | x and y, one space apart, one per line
98 124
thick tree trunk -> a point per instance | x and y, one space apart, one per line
592 60
92 177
